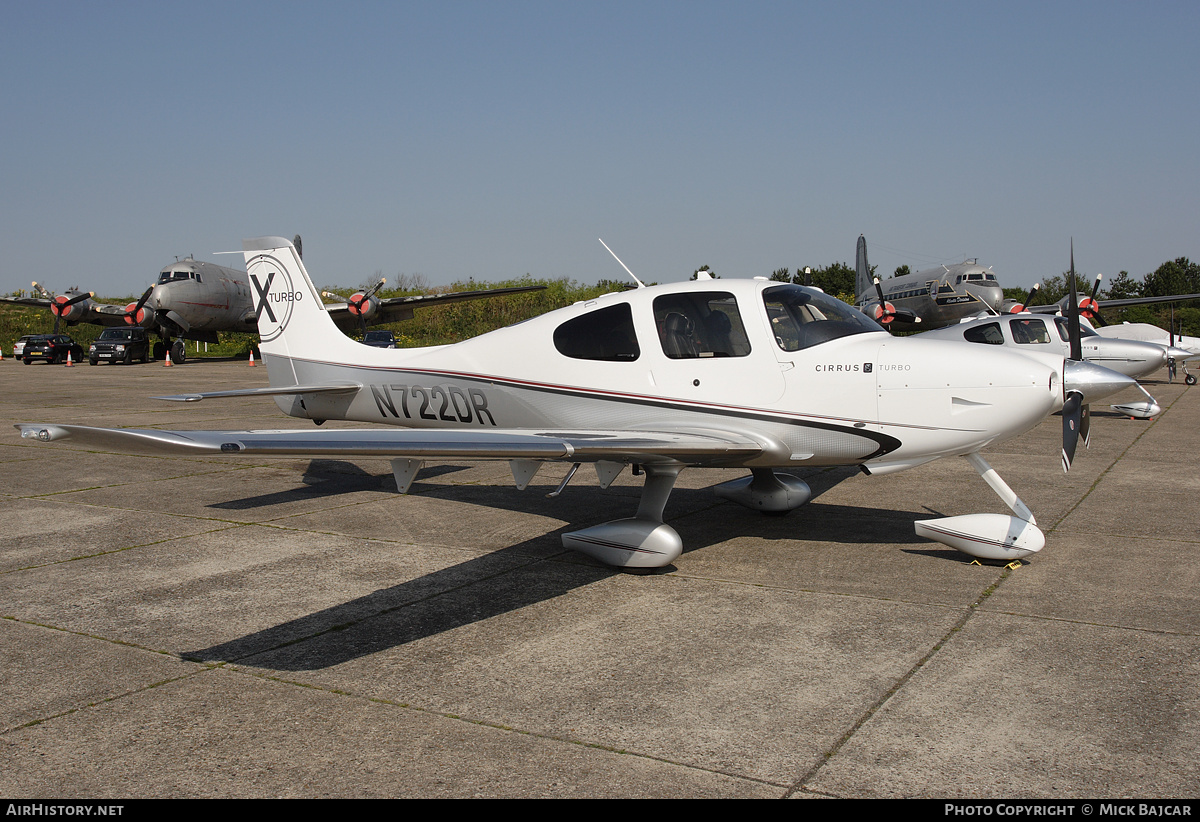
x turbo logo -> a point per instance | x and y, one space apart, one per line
262 297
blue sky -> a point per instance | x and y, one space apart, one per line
492 139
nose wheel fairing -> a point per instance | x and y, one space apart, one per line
988 536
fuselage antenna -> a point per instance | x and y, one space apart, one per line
618 259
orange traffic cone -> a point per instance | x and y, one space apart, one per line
69 363
167 361
251 357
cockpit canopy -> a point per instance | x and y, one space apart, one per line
700 324
1025 329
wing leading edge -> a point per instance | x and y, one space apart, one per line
579 446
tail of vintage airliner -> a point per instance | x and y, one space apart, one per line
293 322
862 271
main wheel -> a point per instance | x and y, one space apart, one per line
179 352
1190 379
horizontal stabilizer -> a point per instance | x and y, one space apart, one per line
337 388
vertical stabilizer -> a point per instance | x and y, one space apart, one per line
292 319
862 280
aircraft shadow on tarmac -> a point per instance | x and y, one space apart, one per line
326 478
532 571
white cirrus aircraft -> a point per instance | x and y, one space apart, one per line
747 374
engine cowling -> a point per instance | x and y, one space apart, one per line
70 312
363 306
1089 308
883 313
143 316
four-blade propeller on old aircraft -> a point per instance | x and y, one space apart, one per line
745 374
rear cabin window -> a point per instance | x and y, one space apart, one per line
1029 331
604 334
700 324
989 334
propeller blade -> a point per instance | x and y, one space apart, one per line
1073 313
1085 426
375 288
78 298
1091 308
1072 415
1029 298
143 299
133 314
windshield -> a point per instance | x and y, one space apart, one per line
115 334
803 317
1064 332
171 276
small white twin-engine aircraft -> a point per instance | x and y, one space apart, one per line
1179 348
1031 332
747 374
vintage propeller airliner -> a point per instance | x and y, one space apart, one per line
746 374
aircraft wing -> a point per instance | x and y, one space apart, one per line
33 302
1054 308
698 447
395 309
98 314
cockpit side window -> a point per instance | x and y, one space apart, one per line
700 324
801 317
604 334
1029 331
988 334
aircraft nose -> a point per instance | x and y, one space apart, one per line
1094 382
160 298
992 295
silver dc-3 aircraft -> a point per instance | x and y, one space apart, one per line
193 300
931 298
744 374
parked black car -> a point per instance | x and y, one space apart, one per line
120 345
380 339
51 348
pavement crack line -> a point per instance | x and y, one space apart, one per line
800 784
